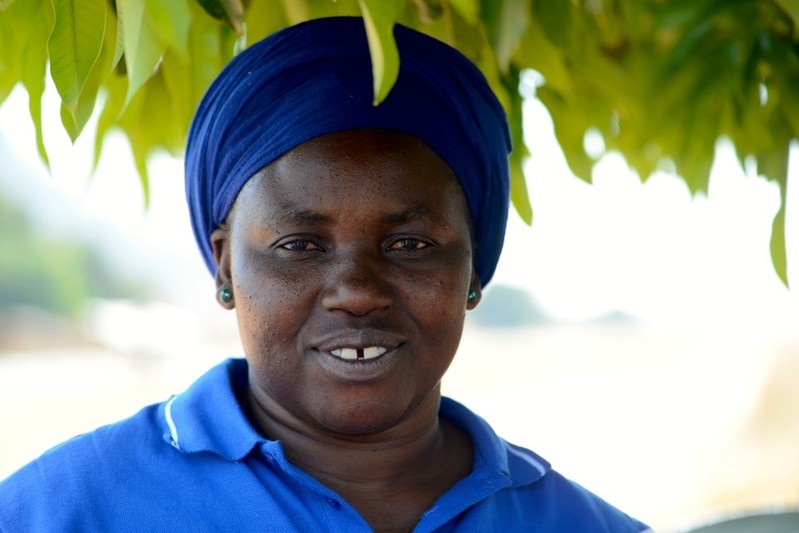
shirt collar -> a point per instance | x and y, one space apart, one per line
491 453
208 417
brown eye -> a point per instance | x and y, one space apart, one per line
408 245
301 245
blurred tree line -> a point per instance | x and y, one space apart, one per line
55 275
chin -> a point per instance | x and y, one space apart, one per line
361 420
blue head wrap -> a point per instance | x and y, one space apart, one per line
315 78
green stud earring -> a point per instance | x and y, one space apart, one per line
225 295
472 296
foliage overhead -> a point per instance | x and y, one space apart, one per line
659 80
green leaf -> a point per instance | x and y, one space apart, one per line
469 38
235 13
556 19
231 11
83 111
468 9
75 45
490 69
150 123
570 128
505 23
777 245
120 41
262 18
178 87
295 11
519 196
115 89
789 103
695 159
4 4
774 166
68 121
179 77
205 45
113 46
137 138
213 8
9 57
332 8
538 52
792 8
37 19
230 43
143 49
171 21
379 17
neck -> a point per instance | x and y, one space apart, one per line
386 456
391 477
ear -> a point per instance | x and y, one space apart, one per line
474 288
220 244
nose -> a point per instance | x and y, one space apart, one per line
357 283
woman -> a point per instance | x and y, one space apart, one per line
350 240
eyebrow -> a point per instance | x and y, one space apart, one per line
411 214
304 216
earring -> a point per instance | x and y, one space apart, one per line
472 296
225 295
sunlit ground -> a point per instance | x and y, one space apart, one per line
665 377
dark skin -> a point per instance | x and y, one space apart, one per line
350 262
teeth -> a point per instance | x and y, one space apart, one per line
373 351
353 354
349 353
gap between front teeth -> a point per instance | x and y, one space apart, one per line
354 354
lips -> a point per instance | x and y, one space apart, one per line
359 346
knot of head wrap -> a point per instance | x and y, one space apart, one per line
315 78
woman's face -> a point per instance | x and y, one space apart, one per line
350 261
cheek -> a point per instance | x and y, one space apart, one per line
270 306
439 301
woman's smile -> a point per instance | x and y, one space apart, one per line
359 354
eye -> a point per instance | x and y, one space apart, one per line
408 244
301 245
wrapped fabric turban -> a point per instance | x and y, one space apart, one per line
315 78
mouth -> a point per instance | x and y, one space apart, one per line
359 346
359 354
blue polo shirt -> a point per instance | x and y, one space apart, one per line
195 463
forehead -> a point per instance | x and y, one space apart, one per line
379 171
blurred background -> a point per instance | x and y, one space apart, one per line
635 337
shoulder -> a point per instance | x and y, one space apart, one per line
154 471
94 451
547 502
574 508
83 468
555 503
529 494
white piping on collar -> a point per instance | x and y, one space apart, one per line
527 459
173 430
